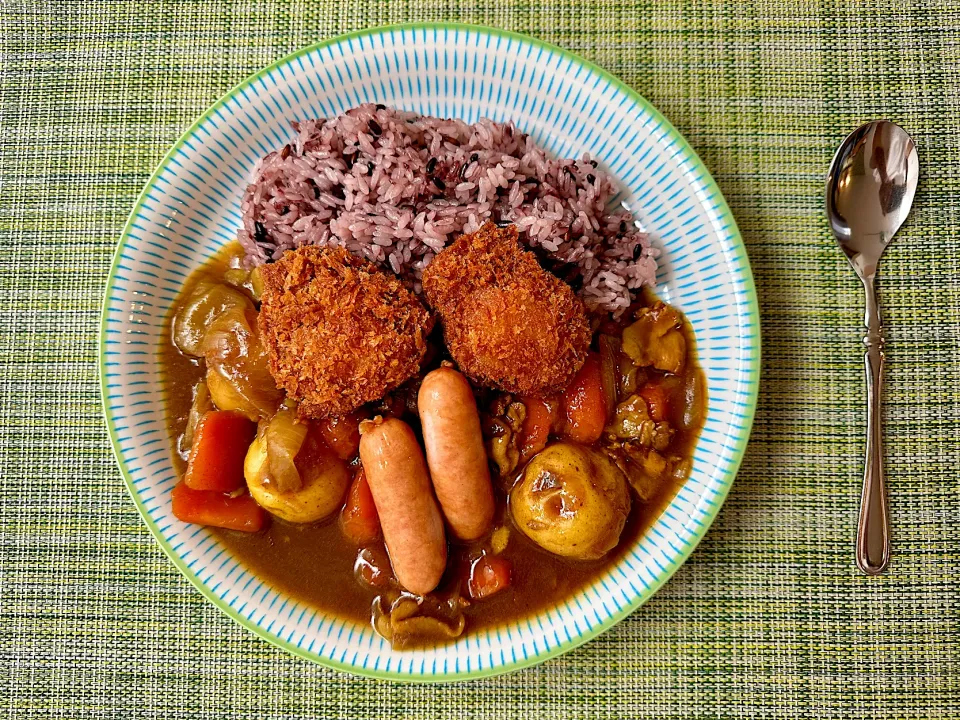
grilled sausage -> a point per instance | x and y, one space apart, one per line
455 453
409 516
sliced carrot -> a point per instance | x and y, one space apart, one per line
658 402
489 574
358 519
220 444
342 434
536 428
204 507
584 404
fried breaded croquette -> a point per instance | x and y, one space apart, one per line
507 322
339 332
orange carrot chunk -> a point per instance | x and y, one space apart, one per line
358 519
342 434
536 428
220 444
489 574
658 403
584 404
204 507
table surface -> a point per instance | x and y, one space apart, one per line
769 618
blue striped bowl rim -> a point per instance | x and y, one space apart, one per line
190 208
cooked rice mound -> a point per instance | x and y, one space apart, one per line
396 188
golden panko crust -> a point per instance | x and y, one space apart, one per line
339 332
507 322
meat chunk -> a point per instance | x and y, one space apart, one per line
339 332
656 339
507 322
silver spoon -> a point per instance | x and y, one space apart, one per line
870 188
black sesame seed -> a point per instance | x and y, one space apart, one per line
463 171
591 178
637 250
439 183
259 233
431 165
623 226
381 106
474 157
503 223
594 163
375 128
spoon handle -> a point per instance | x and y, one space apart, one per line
873 529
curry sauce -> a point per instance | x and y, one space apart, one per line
316 565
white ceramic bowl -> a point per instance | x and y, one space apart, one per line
190 208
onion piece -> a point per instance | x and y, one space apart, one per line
247 280
609 371
285 436
201 404
405 625
206 303
694 401
234 352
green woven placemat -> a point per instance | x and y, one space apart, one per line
767 619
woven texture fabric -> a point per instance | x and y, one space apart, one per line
769 618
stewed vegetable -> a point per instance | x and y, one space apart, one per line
292 473
217 452
572 501
446 504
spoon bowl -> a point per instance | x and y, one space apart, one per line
870 190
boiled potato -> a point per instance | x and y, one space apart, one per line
571 501
324 477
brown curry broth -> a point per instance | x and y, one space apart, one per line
314 563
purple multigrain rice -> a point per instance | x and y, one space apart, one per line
396 188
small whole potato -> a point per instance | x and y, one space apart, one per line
571 501
324 478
